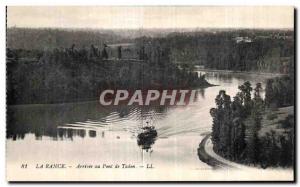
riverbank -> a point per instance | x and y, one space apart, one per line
243 72
205 157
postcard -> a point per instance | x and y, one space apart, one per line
150 93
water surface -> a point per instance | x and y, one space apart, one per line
88 133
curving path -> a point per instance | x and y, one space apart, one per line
207 155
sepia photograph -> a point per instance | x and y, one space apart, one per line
150 93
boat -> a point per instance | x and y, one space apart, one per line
147 137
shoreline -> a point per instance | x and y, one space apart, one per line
243 72
207 155
207 158
90 100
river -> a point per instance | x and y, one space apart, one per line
88 134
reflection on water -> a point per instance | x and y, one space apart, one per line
118 130
63 121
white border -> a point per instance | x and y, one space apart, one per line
3 3
152 2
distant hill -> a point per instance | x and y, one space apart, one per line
40 39
235 49
49 38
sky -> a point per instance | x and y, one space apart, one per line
139 17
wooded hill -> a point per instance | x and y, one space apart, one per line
240 49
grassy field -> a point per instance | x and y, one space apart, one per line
273 120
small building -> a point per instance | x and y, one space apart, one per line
243 39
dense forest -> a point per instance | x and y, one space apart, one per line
253 130
264 51
67 76
237 49
62 65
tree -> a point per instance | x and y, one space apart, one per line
119 52
253 147
238 133
222 124
236 129
245 95
104 54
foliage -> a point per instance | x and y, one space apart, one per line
280 92
258 50
78 74
236 127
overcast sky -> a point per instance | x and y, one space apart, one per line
151 17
